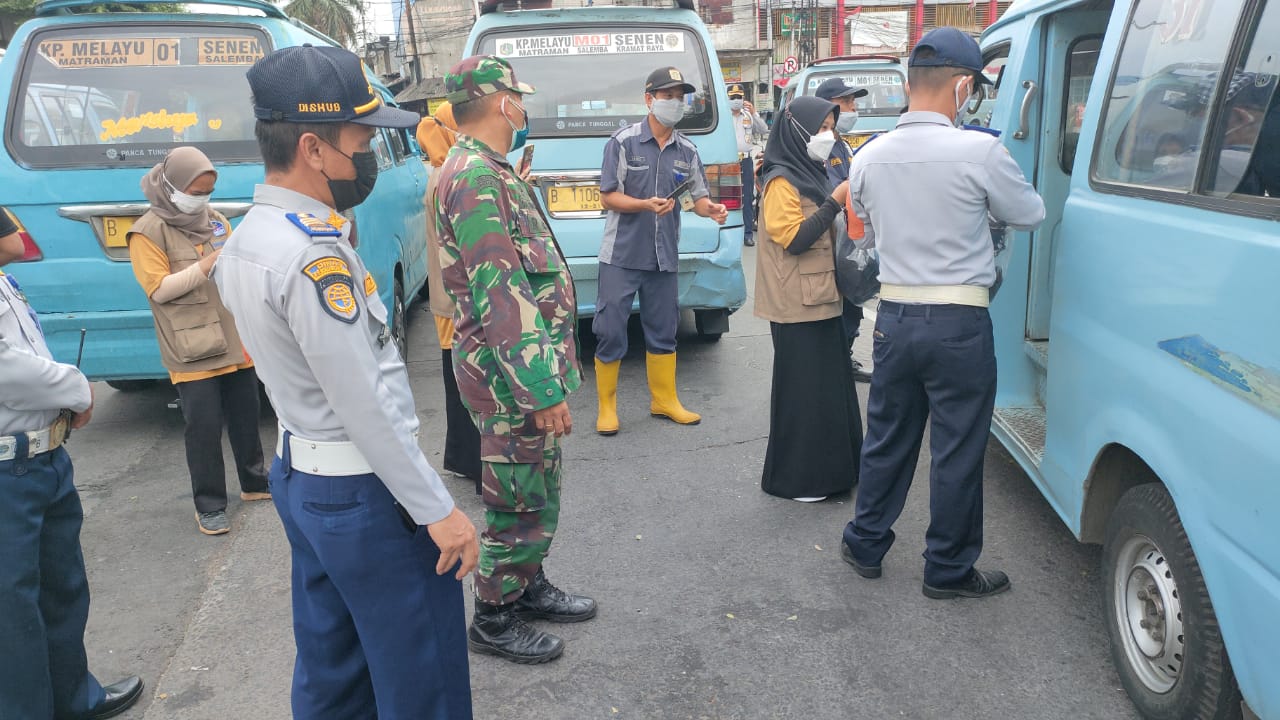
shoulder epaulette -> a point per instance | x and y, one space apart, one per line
313 226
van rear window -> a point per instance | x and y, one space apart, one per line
124 95
886 93
590 80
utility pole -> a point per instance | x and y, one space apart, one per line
413 42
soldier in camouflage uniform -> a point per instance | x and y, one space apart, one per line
515 358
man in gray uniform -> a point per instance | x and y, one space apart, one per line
378 616
44 594
924 192
645 164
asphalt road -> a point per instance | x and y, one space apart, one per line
717 601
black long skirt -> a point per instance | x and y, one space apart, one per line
815 431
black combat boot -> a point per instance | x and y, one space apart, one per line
497 630
544 601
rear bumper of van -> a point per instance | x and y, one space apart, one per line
118 345
707 281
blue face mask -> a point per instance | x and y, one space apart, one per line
520 135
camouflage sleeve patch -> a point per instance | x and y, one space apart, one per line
334 287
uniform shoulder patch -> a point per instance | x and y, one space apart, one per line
370 287
334 287
313 226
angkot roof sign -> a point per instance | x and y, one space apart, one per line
591 44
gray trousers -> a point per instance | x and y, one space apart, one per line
659 310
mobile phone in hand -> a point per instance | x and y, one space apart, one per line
526 160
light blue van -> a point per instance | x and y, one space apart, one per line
589 66
882 76
1136 330
95 100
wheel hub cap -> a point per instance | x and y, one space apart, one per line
1150 614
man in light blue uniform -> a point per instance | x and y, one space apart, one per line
44 594
924 192
643 165
377 612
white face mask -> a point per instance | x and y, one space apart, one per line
846 122
819 146
735 104
962 101
186 204
668 112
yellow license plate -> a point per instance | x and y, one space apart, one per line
856 141
574 198
115 231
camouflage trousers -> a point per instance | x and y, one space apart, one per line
520 481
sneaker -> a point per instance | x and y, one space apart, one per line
749 241
870 572
213 523
810 499
979 584
255 496
860 374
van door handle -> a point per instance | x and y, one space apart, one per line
1024 114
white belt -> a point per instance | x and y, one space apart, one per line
318 457
946 294
38 441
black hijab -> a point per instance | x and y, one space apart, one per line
785 155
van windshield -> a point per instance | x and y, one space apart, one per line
886 93
590 81
116 95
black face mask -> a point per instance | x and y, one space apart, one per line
350 193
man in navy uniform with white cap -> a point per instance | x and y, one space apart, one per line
378 548
924 192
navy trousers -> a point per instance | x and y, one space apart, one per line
933 363
379 634
44 594
659 310
748 197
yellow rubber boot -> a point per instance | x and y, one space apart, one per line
607 390
662 389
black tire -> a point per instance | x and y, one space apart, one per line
400 321
131 385
1165 640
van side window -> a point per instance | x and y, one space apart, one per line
1082 60
1158 107
1245 151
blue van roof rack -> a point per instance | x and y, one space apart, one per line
848 58
64 7
492 6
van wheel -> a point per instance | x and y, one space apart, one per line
1165 639
399 321
130 385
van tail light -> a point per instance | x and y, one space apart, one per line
724 182
30 250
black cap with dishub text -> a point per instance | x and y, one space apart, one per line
320 84
951 47
667 77
833 88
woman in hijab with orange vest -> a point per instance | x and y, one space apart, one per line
173 248
436 134
815 430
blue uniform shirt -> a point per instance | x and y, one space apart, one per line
838 163
636 166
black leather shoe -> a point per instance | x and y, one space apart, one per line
749 242
544 601
981 583
497 630
120 697
870 572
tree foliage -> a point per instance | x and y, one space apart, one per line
335 18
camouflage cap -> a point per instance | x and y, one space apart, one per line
481 75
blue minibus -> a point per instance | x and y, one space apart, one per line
1135 330
95 100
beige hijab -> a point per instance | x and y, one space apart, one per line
180 168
